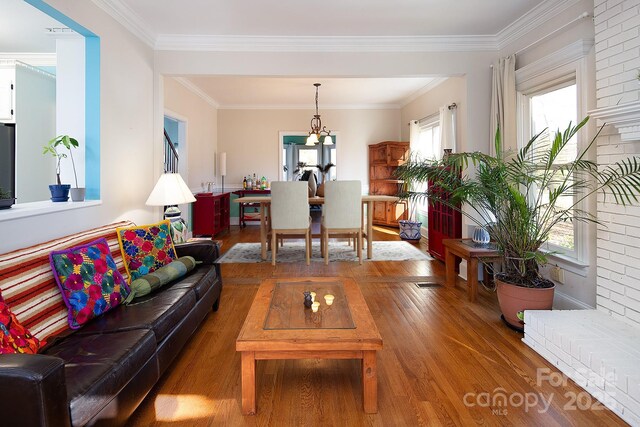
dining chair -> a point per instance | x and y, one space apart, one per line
342 214
290 213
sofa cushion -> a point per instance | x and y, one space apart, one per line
200 280
15 338
28 286
164 275
146 248
159 312
98 366
89 281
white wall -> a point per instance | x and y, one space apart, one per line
473 65
454 89
251 138
202 132
617 64
35 125
70 104
128 86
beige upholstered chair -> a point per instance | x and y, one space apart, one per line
342 214
290 213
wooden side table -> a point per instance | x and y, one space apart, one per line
469 251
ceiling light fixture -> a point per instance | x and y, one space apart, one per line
317 130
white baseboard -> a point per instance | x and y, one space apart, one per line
563 301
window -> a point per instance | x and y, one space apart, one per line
554 109
427 147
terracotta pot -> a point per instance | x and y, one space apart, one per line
513 299
320 190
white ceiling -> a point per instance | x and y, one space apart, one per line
328 17
23 28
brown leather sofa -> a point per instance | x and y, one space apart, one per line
99 374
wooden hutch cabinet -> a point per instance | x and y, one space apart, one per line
384 158
211 213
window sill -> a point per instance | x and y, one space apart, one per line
568 263
24 210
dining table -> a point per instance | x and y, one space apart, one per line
367 202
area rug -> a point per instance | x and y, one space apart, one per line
293 251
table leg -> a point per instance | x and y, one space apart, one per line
450 267
369 230
248 373
472 278
369 382
263 231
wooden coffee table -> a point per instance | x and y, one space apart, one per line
278 326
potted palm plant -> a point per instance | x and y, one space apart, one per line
6 200
59 191
409 229
516 197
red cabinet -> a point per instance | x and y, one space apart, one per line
211 213
444 223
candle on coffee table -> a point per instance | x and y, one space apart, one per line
315 306
328 298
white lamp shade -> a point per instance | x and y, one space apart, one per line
313 139
223 164
170 190
328 140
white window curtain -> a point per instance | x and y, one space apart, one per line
447 129
503 102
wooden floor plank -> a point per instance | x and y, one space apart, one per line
438 348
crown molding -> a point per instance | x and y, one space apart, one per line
625 118
325 107
197 91
34 59
128 18
243 43
531 20
211 43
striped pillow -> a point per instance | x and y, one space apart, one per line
29 288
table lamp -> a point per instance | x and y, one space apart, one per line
170 191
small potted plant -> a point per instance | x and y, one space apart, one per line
517 196
324 170
59 191
6 200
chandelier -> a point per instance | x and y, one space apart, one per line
317 130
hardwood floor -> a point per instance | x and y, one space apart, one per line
445 361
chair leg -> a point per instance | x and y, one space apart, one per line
326 247
307 246
321 241
360 247
274 247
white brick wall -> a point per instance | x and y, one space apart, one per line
617 26
596 351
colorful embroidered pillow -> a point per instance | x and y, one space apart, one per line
150 282
15 338
89 280
146 248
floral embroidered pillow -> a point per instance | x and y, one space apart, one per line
146 248
89 280
15 338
